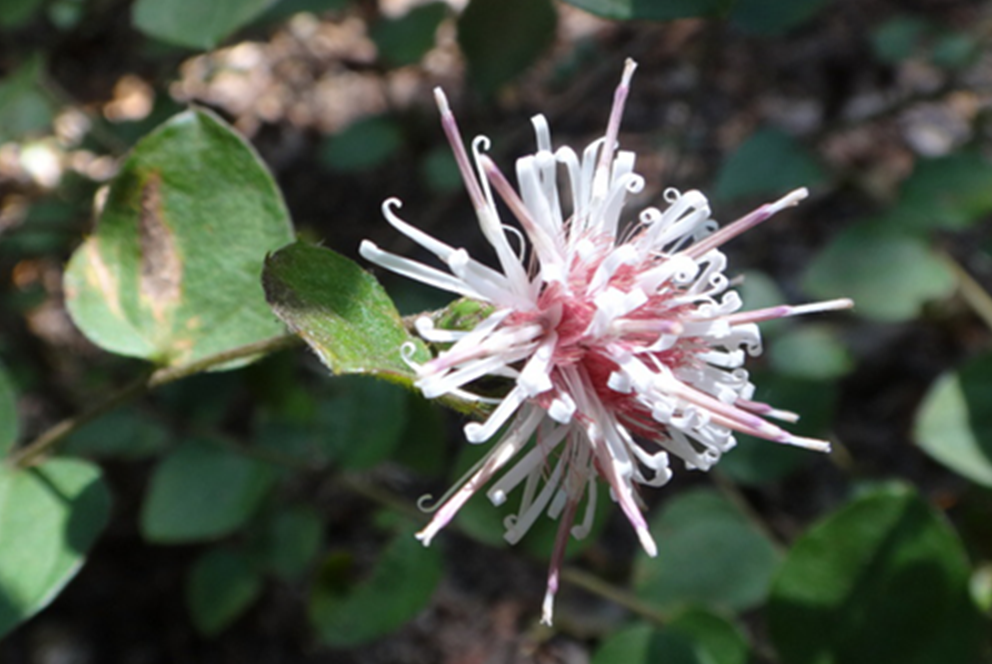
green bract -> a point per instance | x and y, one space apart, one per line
341 311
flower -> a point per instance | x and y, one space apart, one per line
623 346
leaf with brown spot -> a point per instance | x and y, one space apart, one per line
161 267
172 272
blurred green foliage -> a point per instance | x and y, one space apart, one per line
709 554
768 163
347 613
655 11
502 38
851 589
8 411
186 503
368 143
50 516
192 23
404 41
691 636
222 583
24 106
954 423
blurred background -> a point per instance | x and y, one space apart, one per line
264 514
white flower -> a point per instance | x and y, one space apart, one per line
624 345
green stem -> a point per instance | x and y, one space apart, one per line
619 596
971 291
732 493
33 451
573 575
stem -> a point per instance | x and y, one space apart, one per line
732 493
573 575
619 596
971 291
31 453
376 494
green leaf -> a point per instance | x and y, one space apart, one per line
954 424
884 580
768 163
363 145
810 351
904 37
282 10
399 585
755 461
202 491
981 588
774 17
193 23
694 636
404 41
363 422
171 274
8 412
644 644
502 38
888 275
66 14
49 518
424 448
717 639
708 553
955 50
439 171
899 38
221 585
951 192
120 434
24 107
291 540
624 10
341 311
14 13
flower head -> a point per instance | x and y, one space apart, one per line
624 344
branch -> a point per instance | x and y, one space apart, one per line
31 453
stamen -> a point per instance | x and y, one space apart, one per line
416 271
600 184
746 222
454 136
552 267
786 310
